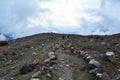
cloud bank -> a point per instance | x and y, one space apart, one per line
86 17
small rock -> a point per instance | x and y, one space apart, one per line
103 57
110 53
32 47
21 54
35 79
36 61
94 62
82 53
12 67
49 75
74 52
62 60
34 53
99 75
57 45
96 71
118 77
105 76
61 66
36 75
111 56
46 61
66 51
119 70
51 53
103 43
51 68
71 46
12 78
90 66
53 62
54 48
67 65
7 63
88 57
52 56
61 79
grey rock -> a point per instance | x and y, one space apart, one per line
36 75
49 75
111 56
35 79
27 68
103 57
96 71
105 76
95 63
61 79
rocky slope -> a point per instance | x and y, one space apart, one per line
52 56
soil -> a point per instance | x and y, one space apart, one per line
69 64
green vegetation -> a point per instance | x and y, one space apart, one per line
14 53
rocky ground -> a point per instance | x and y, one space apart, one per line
52 56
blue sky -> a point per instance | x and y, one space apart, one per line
86 17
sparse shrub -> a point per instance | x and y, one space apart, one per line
14 53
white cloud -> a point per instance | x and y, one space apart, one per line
26 17
63 14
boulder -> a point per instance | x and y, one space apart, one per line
27 68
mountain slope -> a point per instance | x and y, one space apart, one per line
69 64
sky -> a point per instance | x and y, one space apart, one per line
84 17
